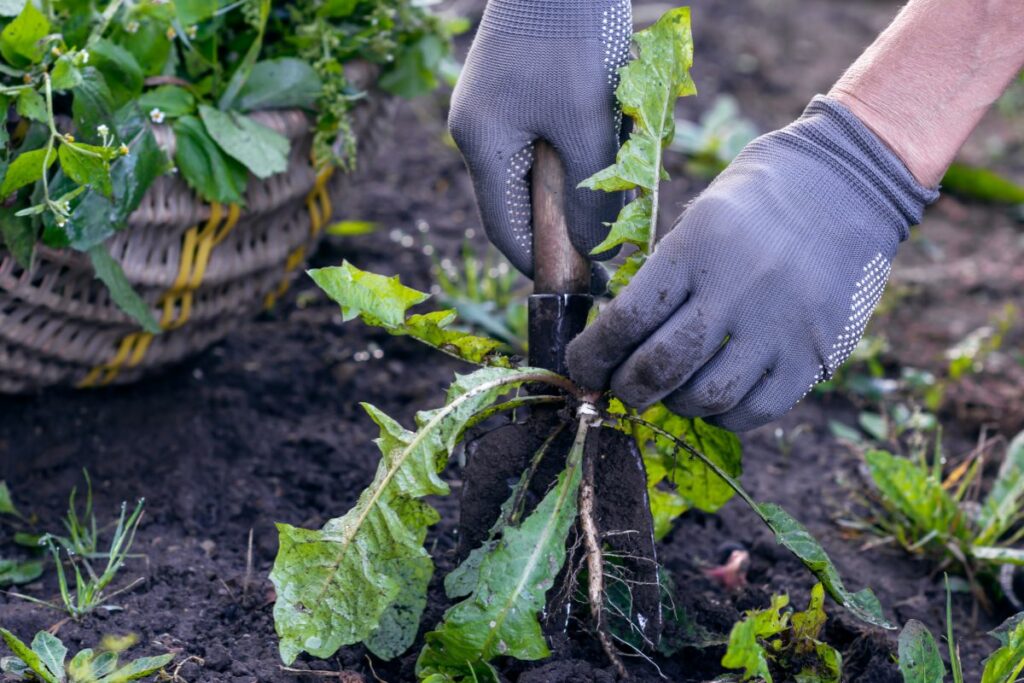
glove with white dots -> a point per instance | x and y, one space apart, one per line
542 69
766 282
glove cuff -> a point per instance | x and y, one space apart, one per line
559 18
856 150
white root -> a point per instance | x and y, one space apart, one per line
595 567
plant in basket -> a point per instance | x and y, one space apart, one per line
104 101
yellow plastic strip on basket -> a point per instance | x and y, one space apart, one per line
318 204
176 303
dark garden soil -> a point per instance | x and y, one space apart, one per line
266 426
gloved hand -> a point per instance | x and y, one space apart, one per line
764 286
542 69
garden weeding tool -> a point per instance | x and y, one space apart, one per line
558 311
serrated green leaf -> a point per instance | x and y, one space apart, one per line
31 105
334 585
745 650
19 572
26 169
280 84
263 151
140 668
919 658
384 302
65 74
792 535
207 170
94 217
648 89
624 273
109 271
633 226
51 653
173 100
360 293
26 655
676 481
1003 503
21 40
87 165
500 619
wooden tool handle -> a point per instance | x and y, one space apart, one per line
558 267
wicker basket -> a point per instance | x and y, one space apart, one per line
201 267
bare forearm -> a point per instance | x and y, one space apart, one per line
924 85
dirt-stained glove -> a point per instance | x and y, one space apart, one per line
766 283
542 69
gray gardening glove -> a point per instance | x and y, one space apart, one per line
766 283
542 69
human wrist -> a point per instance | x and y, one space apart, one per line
833 135
926 82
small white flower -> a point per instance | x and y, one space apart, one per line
193 31
156 115
83 56
132 27
102 130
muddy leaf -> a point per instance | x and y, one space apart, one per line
1003 504
513 577
648 89
791 534
1006 664
919 658
384 302
344 583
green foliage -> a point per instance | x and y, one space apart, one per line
46 660
81 549
114 69
919 658
363 576
7 506
715 140
648 89
784 641
928 512
1006 664
510 577
677 481
486 293
981 184
383 302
